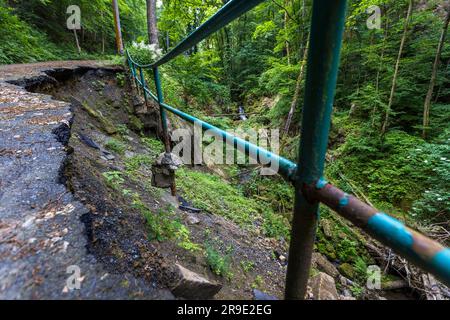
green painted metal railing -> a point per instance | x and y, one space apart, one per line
328 20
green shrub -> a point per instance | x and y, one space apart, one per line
219 264
154 145
20 42
247 266
163 225
114 179
115 146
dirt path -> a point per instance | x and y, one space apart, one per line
41 234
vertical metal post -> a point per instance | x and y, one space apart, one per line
130 64
328 21
141 73
119 41
133 71
163 114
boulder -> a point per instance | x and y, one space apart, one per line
347 270
323 264
323 287
190 285
191 219
162 178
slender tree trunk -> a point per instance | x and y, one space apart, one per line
427 105
103 43
288 49
380 66
76 41
151 23
119 41
397 66
298 87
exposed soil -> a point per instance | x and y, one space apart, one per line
117 232
41 233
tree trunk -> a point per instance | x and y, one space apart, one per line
297 91
103 42
427 105
152 27
118 30
286 41
397 66
380 66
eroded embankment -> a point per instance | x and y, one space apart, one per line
76 190
41 233
134 227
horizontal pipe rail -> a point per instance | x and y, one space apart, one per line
287 167
424 252
419 249
229 12
415 247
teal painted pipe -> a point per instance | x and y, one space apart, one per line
286 167
424 252
229 12
327 29
141 73
160 97
416 248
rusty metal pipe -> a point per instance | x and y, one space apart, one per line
415 247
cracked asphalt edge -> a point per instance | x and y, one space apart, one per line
42 239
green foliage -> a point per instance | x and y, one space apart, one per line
360 267
35 30
344 246
164 225
273 189
211 193
247 265
143 53
120 78
135 124
134 163
114 179
21 43
275 225
116 146
123 130
257 283
357 290
219 264
434 203
155 146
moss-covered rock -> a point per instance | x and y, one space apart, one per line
135 124
347 270
105 123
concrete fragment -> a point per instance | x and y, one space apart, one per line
164 170
193 286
